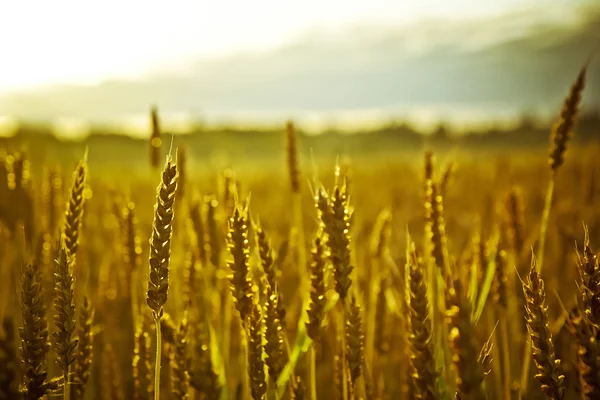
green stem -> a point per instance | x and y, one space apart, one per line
66 388
312 373
345 380
299 223
246 377
158 358
505 343
544 224
226 325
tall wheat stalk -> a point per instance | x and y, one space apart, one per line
560 134
160 255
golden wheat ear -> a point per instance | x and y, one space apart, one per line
256 366
561 130
422 359
34 333
549 374
470 373
160 242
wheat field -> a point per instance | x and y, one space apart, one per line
433 277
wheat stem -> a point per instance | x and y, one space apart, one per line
158 357
312 371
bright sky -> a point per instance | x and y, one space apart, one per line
76 41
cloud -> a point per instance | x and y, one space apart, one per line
502 62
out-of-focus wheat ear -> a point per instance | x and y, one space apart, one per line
446 175
180 379
316 309
52 193
514 219
113 389
168 329
213 231
274 347
160 242
64 318
142 366
83 364
191 290
355 339
274 338
155 139
197 216
9 363
133 246
588 353
132 257
335 217
568 115
292 156
256 366
379 242
428 170
182 161
270 269
229 195
420 332
436 229
549 373
239 248
500 289
298 391
74 209
470 373
203 377
589 289
34 333
382 319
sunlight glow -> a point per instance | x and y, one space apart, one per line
86 42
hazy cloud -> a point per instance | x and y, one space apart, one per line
504 61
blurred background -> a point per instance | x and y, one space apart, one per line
482 73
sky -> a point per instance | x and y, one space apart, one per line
320 60
86 42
